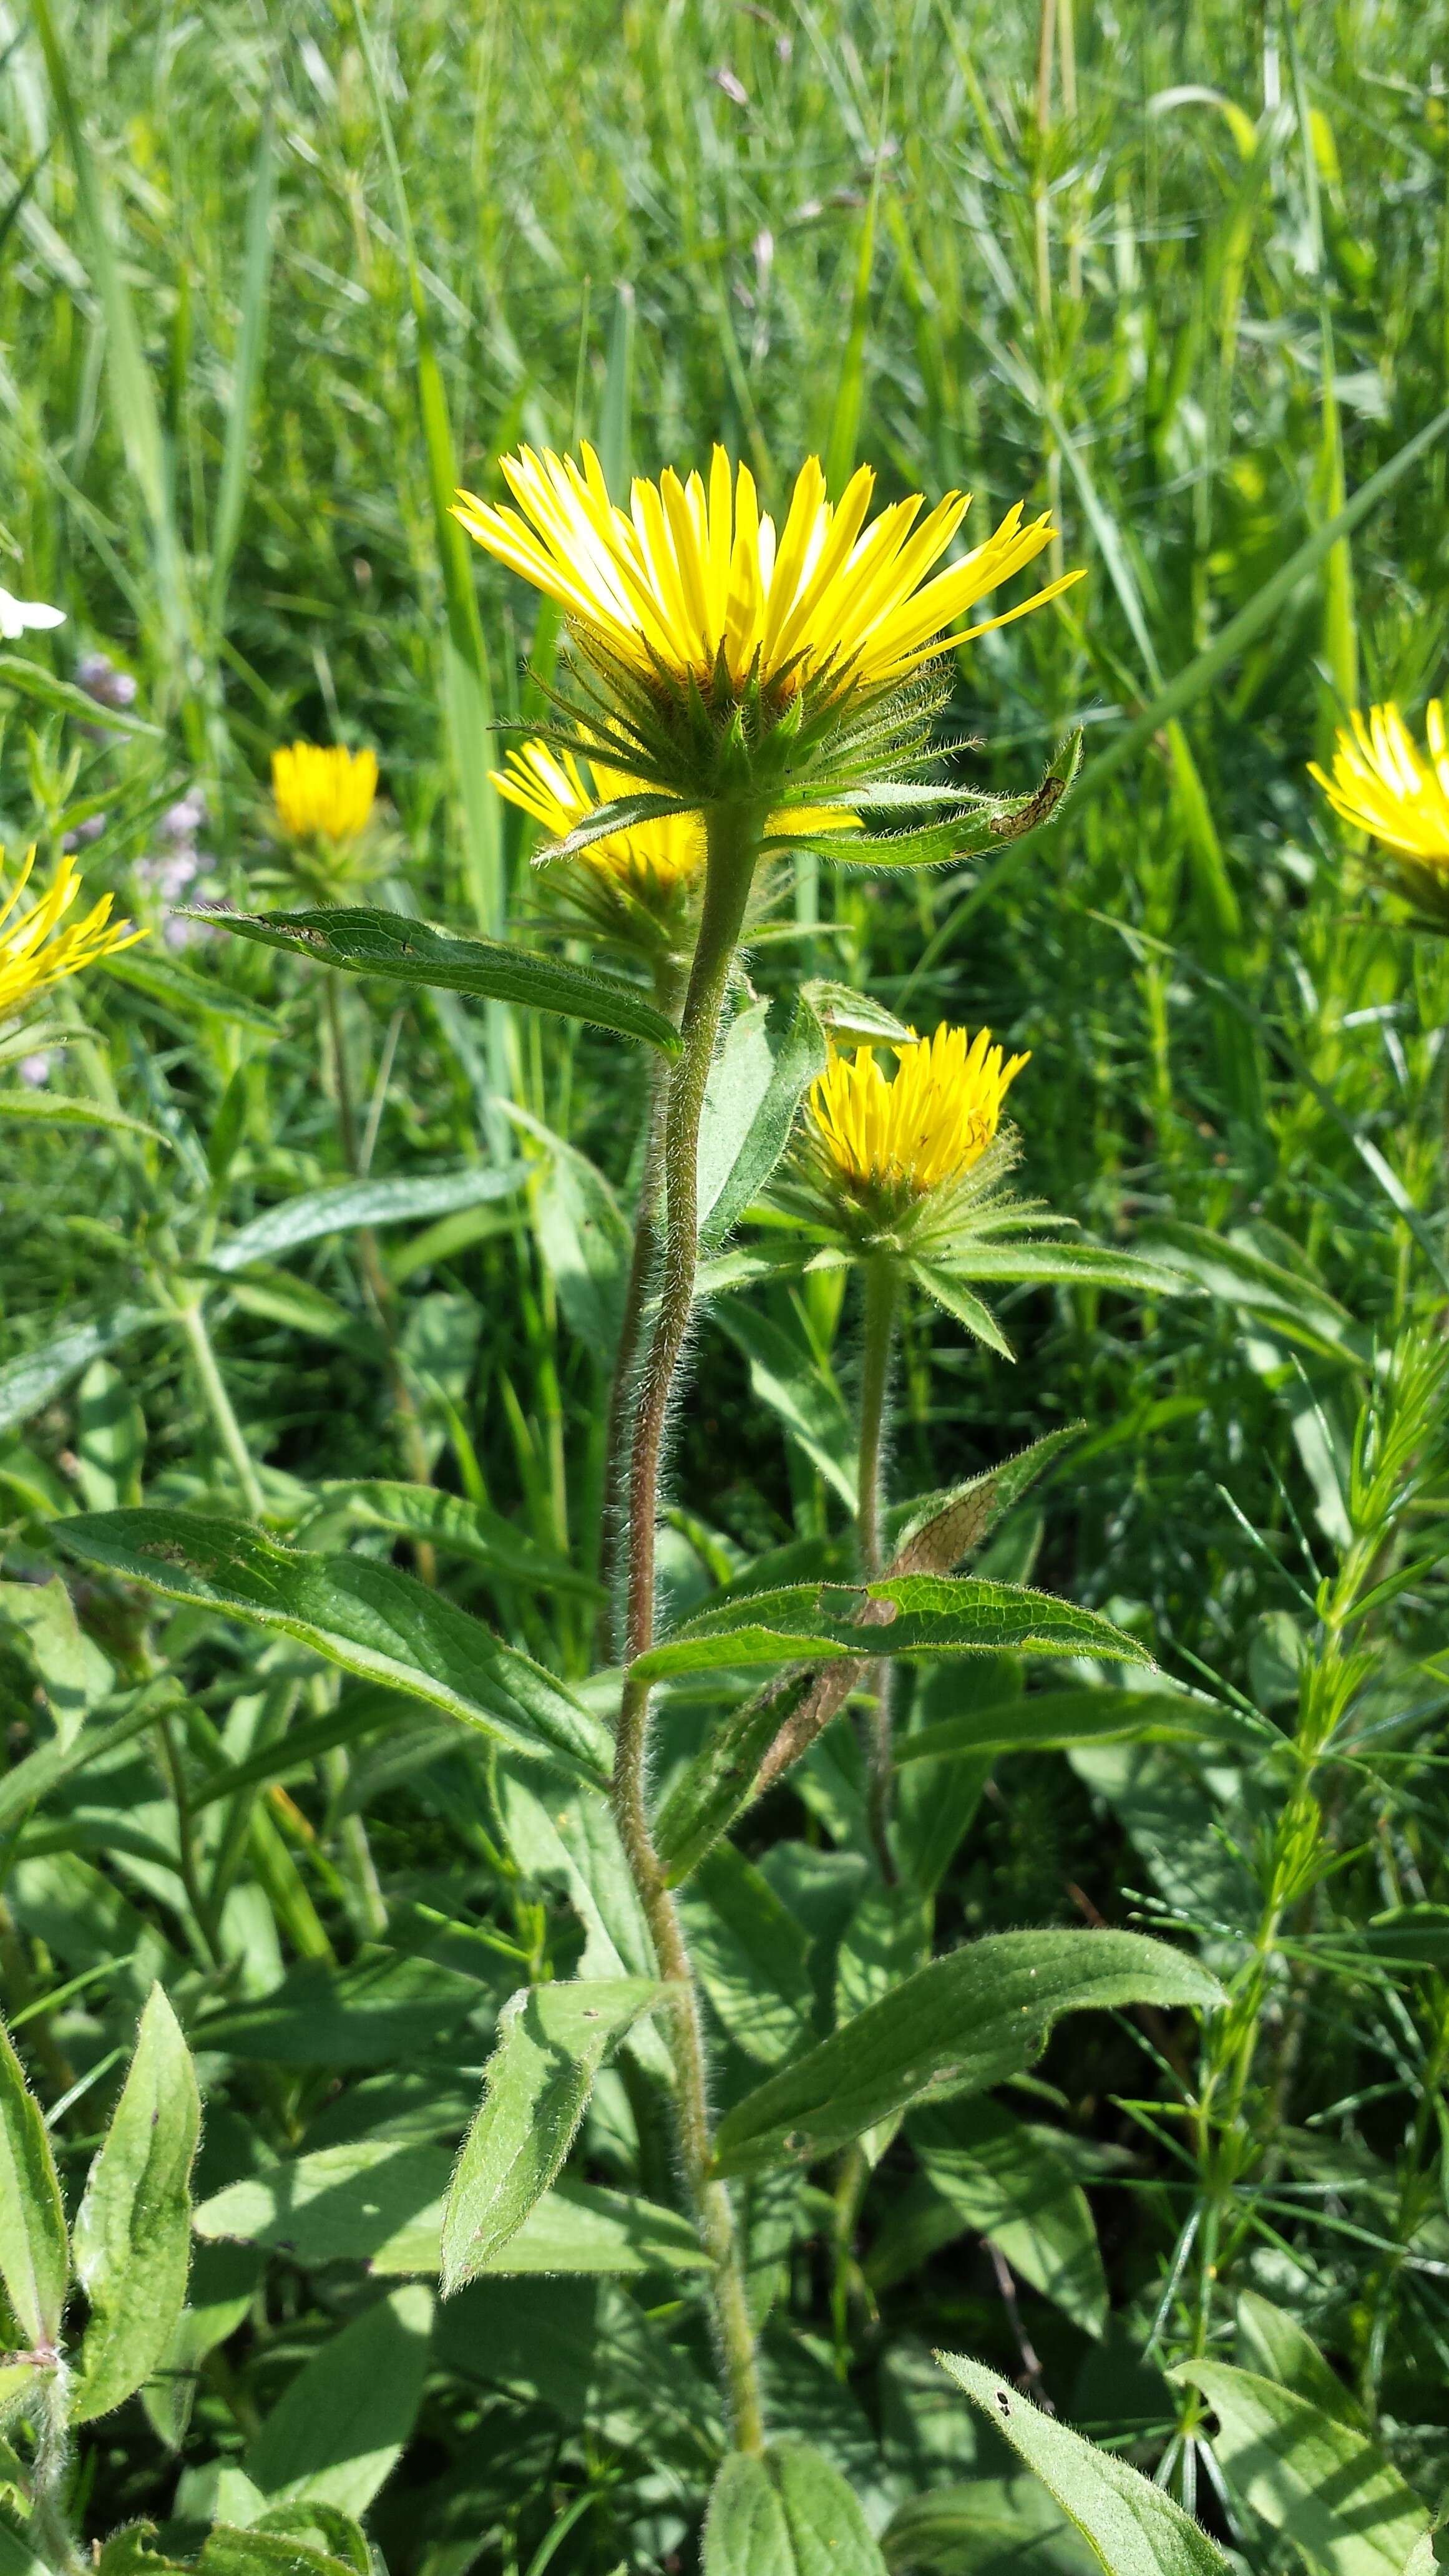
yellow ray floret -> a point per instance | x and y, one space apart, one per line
690 573
927 1126
1381 785
36 953
663 853
326 793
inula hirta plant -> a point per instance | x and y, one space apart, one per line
892 1142
39 948
739 672
693 586
722 661
728 693
1383 785
324 799
326 793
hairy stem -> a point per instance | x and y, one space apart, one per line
881 1294
733 840
49 2530
642 1263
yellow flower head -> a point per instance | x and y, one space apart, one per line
693 582
653 859
1382 786
321 794
36 953
926 1127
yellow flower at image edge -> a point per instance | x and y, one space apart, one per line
691 578
927 1126
37 952
1381 785
323 794
664 853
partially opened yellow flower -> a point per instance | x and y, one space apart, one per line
694 585
323 794
927 1126
37 952
657 857
653 859
1381 785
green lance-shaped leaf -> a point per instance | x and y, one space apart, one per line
987 2526
1278 2348
363 942
848 1014
133 2231
1130 2525
958 2026
370 1619
306 2539
29 1382
579 2228
27 1782
454 1526
931 1535
749 1953
380 2201
1011 2182
184 993
34 2252
912 1615
30 680
718 1783
552 2040
801 1056
972 825
1294 1303
603 822
74 1673
56 1110
935 1532
339 2426
788 2513
336 1211
1308 2474
947 1279
1053 1720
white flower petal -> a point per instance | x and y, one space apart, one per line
17 614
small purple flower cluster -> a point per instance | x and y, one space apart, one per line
172 871
97 674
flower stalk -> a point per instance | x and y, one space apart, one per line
643 1261
48 2526
733 844
376 1282
219 1404
882 1298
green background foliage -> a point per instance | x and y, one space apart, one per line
272 278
